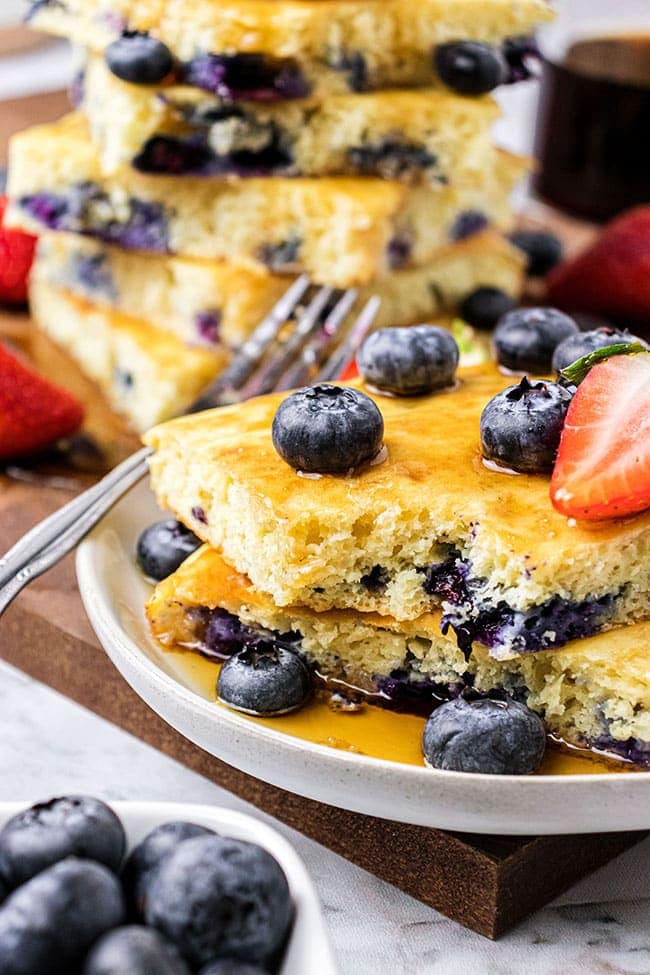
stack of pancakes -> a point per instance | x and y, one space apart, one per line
290 136
413 578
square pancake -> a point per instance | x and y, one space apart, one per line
216 302
334 45
430 525
424 136
341 230
593 692
146 374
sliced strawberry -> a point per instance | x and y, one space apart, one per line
33 412
612 277
603 464
16 258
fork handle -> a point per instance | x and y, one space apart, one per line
42 535
65 541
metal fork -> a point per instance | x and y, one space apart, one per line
317 349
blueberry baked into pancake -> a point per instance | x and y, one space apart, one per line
415 136
343 231
264 49
400 536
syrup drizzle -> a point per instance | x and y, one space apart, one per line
367 729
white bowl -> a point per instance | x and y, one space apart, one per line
309 948
114 594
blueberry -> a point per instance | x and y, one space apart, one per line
208 324
50 831
246 75
525 339
523 58
399 250
264 679
145 859
409 361
542 249
230 966
48 924
139 58
585 342
390 159
521 426
489 736
281 257
484 307
134 950
355 65
470 67
468 223
327 429
221 898
163 547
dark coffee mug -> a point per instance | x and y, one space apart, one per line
593 128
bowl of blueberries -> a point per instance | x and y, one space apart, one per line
153 889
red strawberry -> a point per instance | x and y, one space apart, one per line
16 258
351 371
33 412
612 277
603 464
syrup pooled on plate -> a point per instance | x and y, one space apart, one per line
371 730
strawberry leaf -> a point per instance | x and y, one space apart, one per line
577 371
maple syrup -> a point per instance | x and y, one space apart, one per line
371 730
592 127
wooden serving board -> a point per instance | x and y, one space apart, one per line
19 39
486 883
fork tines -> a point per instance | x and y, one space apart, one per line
308 337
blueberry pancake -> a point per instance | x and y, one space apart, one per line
430 526
296 48
147 375
211 302
594 691
417 136
341 230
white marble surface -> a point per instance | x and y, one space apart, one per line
49 745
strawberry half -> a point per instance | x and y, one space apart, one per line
603 464
612 277
16 258
33 412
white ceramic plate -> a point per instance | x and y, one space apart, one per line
114 593
309 948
